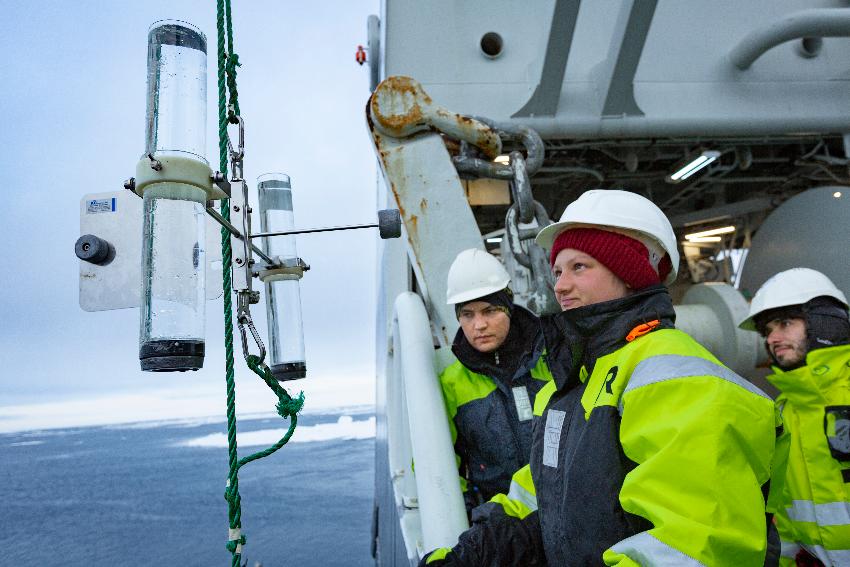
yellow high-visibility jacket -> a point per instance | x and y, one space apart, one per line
651 453
810 490
489 400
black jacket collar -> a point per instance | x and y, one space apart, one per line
517 355
579 336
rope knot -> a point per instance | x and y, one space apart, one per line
291 406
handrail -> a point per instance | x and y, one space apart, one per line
819 22
441 508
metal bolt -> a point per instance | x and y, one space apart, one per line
250 209
156 165
236 208
217 176
130 184
240 261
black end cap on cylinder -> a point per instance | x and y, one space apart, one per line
289 371
389 223
91 248
171 355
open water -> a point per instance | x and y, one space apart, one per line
153 494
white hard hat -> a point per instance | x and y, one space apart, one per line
624 213
474 273
791 287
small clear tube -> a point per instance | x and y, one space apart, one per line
171 336
283 292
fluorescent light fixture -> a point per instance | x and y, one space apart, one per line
837 194
504 158
703 239
494 240
703 160
712 232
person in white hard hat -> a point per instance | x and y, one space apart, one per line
803 318
500 367
646 450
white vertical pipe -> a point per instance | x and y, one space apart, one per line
441 506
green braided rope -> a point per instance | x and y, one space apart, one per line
232 64
234 508
287 407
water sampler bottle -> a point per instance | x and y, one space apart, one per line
283 292
171 177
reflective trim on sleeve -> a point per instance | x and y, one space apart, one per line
829 556
520 494
673 366
646 549
829 514
789 549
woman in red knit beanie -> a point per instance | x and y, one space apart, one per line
646 450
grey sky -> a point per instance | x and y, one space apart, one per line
74 109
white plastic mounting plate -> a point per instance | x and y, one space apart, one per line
117 218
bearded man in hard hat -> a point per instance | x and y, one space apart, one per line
803 319
490 389
646 450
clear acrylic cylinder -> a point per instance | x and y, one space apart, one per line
283 292
177 90
171 334
171 337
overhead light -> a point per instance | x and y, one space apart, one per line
837 194
494 240
703 239
710 233
700 162
504 158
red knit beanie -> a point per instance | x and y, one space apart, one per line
626 257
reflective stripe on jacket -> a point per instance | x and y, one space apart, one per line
813 503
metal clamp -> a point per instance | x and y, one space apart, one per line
284 269
243 318
236 156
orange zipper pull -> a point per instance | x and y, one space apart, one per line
641 330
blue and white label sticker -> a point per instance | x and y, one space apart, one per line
94 206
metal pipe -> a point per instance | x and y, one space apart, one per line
309 230
823 22
441 507
686 125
